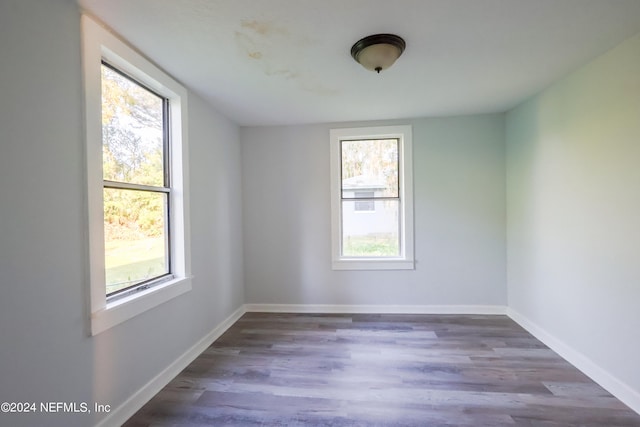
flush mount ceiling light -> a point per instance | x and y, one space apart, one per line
378 52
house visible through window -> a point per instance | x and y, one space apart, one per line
371 172
136 182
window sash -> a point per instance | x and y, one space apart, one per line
383 239
141 285
395 189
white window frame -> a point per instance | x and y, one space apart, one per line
100 44
405 261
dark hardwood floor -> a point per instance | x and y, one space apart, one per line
381 370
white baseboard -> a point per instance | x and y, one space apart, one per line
382 309
122 413
613 385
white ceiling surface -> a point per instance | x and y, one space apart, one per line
275 62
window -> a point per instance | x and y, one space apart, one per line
136 185
371 172
364 201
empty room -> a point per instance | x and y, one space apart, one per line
309 213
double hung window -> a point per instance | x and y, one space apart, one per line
136 163
136 183
371 172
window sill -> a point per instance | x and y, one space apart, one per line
373 264
128 307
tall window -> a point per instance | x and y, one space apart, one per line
136 182
371 171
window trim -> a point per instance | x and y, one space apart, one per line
99 44
406 259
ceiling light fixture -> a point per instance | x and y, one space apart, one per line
378 52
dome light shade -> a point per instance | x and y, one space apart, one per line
378 52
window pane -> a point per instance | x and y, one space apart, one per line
135 237
370 166
132 131
364 205
375 234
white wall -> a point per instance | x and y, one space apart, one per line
46 354
459 170
573 212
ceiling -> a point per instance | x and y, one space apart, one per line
275 62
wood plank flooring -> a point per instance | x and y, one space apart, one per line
381 370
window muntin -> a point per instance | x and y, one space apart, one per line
372 206
136 183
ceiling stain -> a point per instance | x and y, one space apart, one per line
247 45
274 50
262 28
